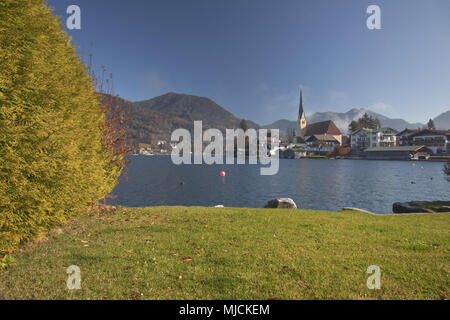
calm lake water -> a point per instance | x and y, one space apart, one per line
312 184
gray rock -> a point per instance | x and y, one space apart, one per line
281 203
357 209
417 207
444 209
404 207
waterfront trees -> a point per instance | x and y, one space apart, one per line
243 125
366 121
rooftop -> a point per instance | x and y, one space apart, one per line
385 131
407 132
431 132
322 137
397 149
322 127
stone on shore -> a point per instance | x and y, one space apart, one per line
404 207
357 209
286 203
421 207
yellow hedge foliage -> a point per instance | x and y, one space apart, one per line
52 164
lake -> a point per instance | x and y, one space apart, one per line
312 183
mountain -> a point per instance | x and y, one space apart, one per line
442 121
342 120
157 118
282 125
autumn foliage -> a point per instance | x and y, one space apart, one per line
58 154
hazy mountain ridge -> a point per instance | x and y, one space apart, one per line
342 120
442 121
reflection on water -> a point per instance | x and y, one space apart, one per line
312 183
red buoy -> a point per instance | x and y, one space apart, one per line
222 173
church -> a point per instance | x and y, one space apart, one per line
318 136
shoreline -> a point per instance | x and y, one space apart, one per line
219 206
322 158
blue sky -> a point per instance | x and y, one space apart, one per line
251 56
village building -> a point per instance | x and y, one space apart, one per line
404 137
387 137
436 140
144 148
398 153
325 128
318 136
364 138
322 142
299 142
266 142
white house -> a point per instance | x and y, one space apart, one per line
364 138
387 137
436 140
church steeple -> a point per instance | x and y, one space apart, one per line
300 108
301 120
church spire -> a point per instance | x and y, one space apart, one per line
301 120
300 108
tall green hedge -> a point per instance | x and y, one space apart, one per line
52 163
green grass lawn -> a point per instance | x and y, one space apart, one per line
236 253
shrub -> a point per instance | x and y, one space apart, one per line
53 164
